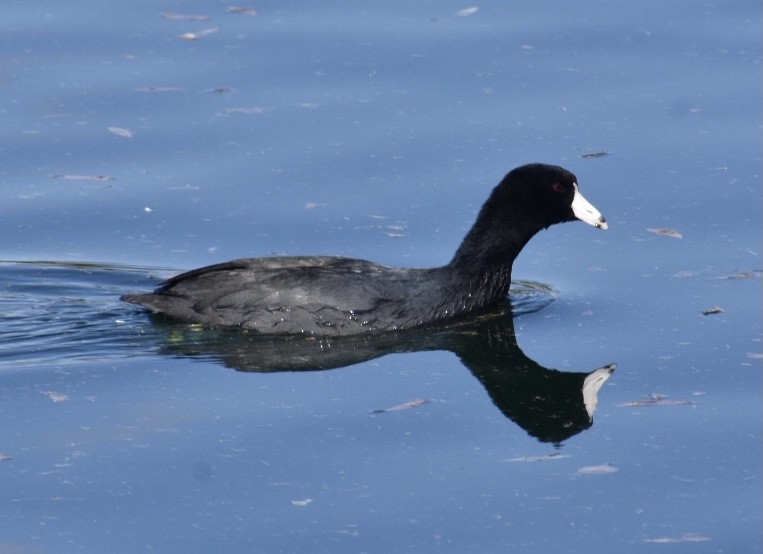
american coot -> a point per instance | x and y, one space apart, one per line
340 296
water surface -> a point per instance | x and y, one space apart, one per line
130 153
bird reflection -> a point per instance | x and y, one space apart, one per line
550 405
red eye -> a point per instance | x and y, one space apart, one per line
558 187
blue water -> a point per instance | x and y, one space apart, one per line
376 131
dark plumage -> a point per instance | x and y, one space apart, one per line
341 296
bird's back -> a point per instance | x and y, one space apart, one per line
290 295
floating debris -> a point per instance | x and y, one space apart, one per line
666 233
159 89
466 12
313 205
714 310
304 502
84 177
121 132
594 155
4 457
245 111
602 469
404 406
544 458
200 34
743 275
184 17
221 90
242 11
396 231
682 538
55 396
657 400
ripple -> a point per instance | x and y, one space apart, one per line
59 313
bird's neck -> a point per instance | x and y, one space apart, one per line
485 257
482 282
491 246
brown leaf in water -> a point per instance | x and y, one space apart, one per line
743 275
675 540
159 89
121 132
656 400
404 406
242 10
666 233
55 396
199 35
594 155
84 177
466 12
598 470
541 458
184 17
